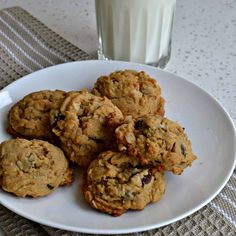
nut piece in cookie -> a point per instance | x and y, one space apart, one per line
116 183
85 125
29 117
32 168
156 141
134 93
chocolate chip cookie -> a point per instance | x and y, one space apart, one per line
156 141
29 118
32 168
116 183
85 125
134 93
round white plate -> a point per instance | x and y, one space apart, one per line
207 124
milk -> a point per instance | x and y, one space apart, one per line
135 30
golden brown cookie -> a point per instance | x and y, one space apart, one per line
134 93
32 168
29 117
68 178
85 125
116 183
156 141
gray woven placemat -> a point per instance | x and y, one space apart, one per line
27 45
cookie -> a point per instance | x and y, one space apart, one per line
134 93
156 141
29 117
116 183
32 168
68 178
85 125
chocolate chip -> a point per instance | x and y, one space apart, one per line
97 140
183 149
173 148
45 151
50 186
58 117
146 179
138 124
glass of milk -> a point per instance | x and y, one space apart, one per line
135 30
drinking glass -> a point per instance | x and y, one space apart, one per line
135 30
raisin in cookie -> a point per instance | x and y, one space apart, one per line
156 141
29 118
85 125
32 168
116 183
134 93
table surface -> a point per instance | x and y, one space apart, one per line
203 47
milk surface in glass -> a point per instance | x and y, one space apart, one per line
135 30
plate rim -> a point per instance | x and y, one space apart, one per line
141 228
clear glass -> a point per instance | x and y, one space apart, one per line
135 30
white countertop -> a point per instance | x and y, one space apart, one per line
203 47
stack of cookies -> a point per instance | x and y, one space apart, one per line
117 133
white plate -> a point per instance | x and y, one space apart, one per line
208 125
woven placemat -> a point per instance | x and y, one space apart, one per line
27 45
